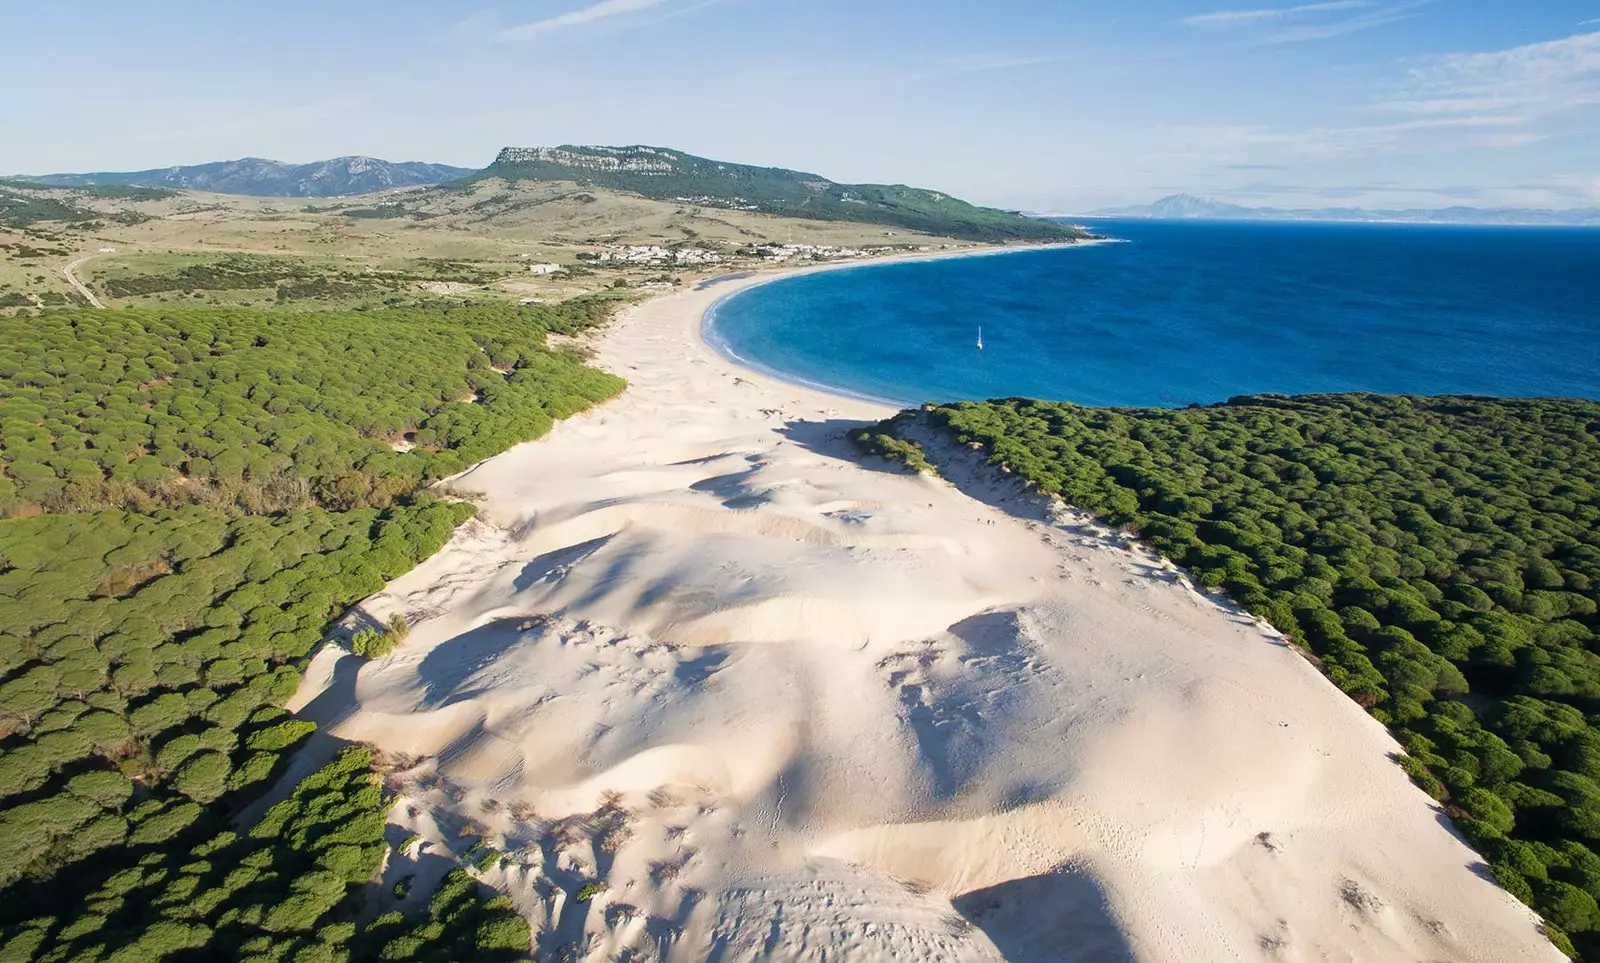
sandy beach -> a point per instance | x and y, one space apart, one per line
720 691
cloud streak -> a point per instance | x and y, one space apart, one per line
1235 18
604 10
1374 18
1308 21
1490 100
1521 84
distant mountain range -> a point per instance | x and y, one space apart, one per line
659 173
269 178
1190 207
665 174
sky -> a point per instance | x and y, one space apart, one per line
1045 105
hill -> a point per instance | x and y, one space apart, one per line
1190 207
258 177
664 174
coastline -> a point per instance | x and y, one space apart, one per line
705 329
782 703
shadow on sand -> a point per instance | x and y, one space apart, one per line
450 664
831 438
1080 927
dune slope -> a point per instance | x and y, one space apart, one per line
785 706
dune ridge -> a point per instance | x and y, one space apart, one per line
781 705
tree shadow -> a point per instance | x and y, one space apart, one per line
831 438
337 700
733 489
423 864
542 567
1062 916
316 751
449 664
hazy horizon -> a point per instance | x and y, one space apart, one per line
1027 104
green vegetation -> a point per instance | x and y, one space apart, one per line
1439 556
19 208
24 202
882 441
373 644
386 212
123 192
283 891
288 279
150 409
111 192
193 497
663 174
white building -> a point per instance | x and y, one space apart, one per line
656 254
544 268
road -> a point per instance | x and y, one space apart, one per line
82 288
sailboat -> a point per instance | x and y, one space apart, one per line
980 337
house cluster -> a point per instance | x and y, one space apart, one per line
656 254
814 252
726 203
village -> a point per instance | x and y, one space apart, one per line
655 254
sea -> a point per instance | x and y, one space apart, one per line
1176 313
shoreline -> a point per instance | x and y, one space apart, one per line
739 284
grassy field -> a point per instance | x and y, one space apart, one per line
407 246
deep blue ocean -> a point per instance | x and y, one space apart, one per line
1196 312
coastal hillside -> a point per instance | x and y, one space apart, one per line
256 176
1437 557
665 174
154 246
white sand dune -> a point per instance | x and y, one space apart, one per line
788 707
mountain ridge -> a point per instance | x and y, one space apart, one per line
261 177
663 173
1194 207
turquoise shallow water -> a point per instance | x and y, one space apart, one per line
1196 312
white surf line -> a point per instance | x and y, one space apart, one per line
81 288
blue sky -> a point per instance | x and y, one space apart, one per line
1059 105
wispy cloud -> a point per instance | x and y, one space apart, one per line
1378 17
1343 143
1487 100
1308 21
604 10
1234 18
1521 84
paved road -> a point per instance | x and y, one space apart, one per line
82 288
